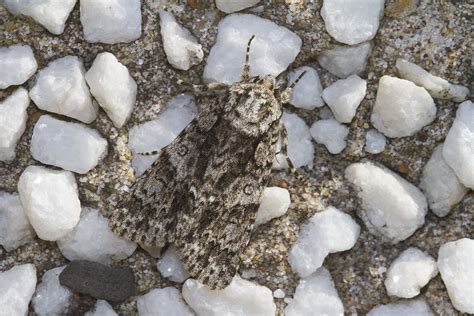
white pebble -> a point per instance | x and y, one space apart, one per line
13 117
111 21
17 65
343 61
440 184
392 208
15 228
17 286
249 274
439 88
409 272
272 50
61 88
375 142
51 298
181 47
326 232
156 134
331 134
163 302
229 6
51 14
92 240
113 87
457 271
352 21
241 297
344 96
458 148
50 200
278 293
307 92
70 146
316 295
274 203
102 308
401 107
171 267
416 307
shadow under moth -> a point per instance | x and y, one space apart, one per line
203 191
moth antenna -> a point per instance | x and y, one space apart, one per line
297 79
286 94
246 70
149 153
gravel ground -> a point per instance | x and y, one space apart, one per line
436 35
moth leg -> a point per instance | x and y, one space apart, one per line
284 149
246 69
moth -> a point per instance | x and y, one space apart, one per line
203 191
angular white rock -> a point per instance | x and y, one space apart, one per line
17 64
274 203
102 308
440 184
343 61
61 88
156 134
457 271
307 92
374 142
326 232
17 286
51 14
50 200
331 134
181 47
70 146
92 240
15 228
113 87
241 297
163 302
316 295
344 96
439 88
229 6
392 208
51 298
171 267
409 272
273 48
13 117
300 148
458 149
401 107
416 307
352 21
111 21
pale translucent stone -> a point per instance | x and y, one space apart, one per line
278 293
458 149
50 200
163 302
111 21
272 50
409 272
316 295
229 6
326 232
392 208
343 61
70 146
52 14
15 228
457 271
352 21
241 297
17 65
92 240
401 107
416 307
374 142
102 308
307 92
13 117
51 299
17 286
331 134
113 87
439 88
440 184
171 267
181 47
344 96
274 203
